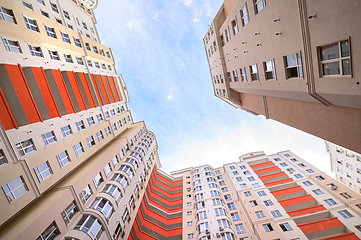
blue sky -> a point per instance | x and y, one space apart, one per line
158 48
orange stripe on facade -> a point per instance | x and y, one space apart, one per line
167 221
76 90
102 87
278 182
63 91
307 210
296 200
161 206
46 93
261 164
164 200
140 233
167 180
87 89
115 89
273 175
168 194
270 169
320 225
287 191
345 236
97 89
6 117
109 88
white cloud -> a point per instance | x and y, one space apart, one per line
130 24
196 18
188 3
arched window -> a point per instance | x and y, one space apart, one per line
91 226
127 170
121 179
103 206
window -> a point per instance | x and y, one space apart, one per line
228 35
277 159
2 158
345 214
79 60
220 211
100 136
254 72
70 26
298 176
307 183
251 179
219 177
234 26
224 189
90 225
358 227
58 21
66 14
66 131
253 203
63 158
330 202
43 171
189 213
202 215
309 171
268 203
285 227
54 55
78 149
228 197
87 46
103 66
51 32
25 147
276 214
256 185
51 232
7 15
268 227
77 42
80 125
317 191
189 204
31 24
293 65
96 64
283 164
260 214
28 5
244 15
349 166
190 236
320 178
54 7
69 212
84 25
335 58
301 165
243 185
48 137
12 46
90 65
235 77
68 58
259 5
270 71
103 206
15 188
216 202
95 49
107 170
98 180
261 193
235 216
240 228
189 224
346 195
231 206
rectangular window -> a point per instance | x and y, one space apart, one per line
54 55
307 183
100 136
96 64
58 21
298 176
63 158
244 15
270 71
268 203
240 228
66 14
77 42
98 180
85 194
234 26
12 46
28 5
320 178
51 232
90 141
66 131
335 58
107 170
228 35
70 26
309 170
68 213
7 15
2 158
43 171
80 125
31 24
235 217
268 227
260 214
48 137
254 72
346 195
231 206
65 37
89 63
261 193
345 214
293 65
95 49
25 147
235 77
51 32
107 131
330 202
90 121
276 214
84 25
317 191
79 60
68 58
78 149
253 203
14 189
35 51
54 7
285 227
259 5
243 74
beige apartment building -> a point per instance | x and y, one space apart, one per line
346 164
291 61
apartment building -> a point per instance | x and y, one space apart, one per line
278 196
346 164
291 61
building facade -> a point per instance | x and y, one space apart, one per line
346 164
280 59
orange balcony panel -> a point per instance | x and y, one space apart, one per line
261 164
296 200
273 175
320 225
6 117
287 191
270 169
279 182
346 236
307 210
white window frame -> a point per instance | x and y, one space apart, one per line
78 149
9 188
63 158
43 171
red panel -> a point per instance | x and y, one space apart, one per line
304 211
164 200
270 169
165 192
6 117
63 91
261 164
141 234
320 225
97 89
87 90
273 175
162 207
345 236
159 217
296 200
287 191
76 90
278 182
115 89
130 237
102 87
46 92
109 88
23 92
166 179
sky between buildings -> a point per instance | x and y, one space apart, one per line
158 48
